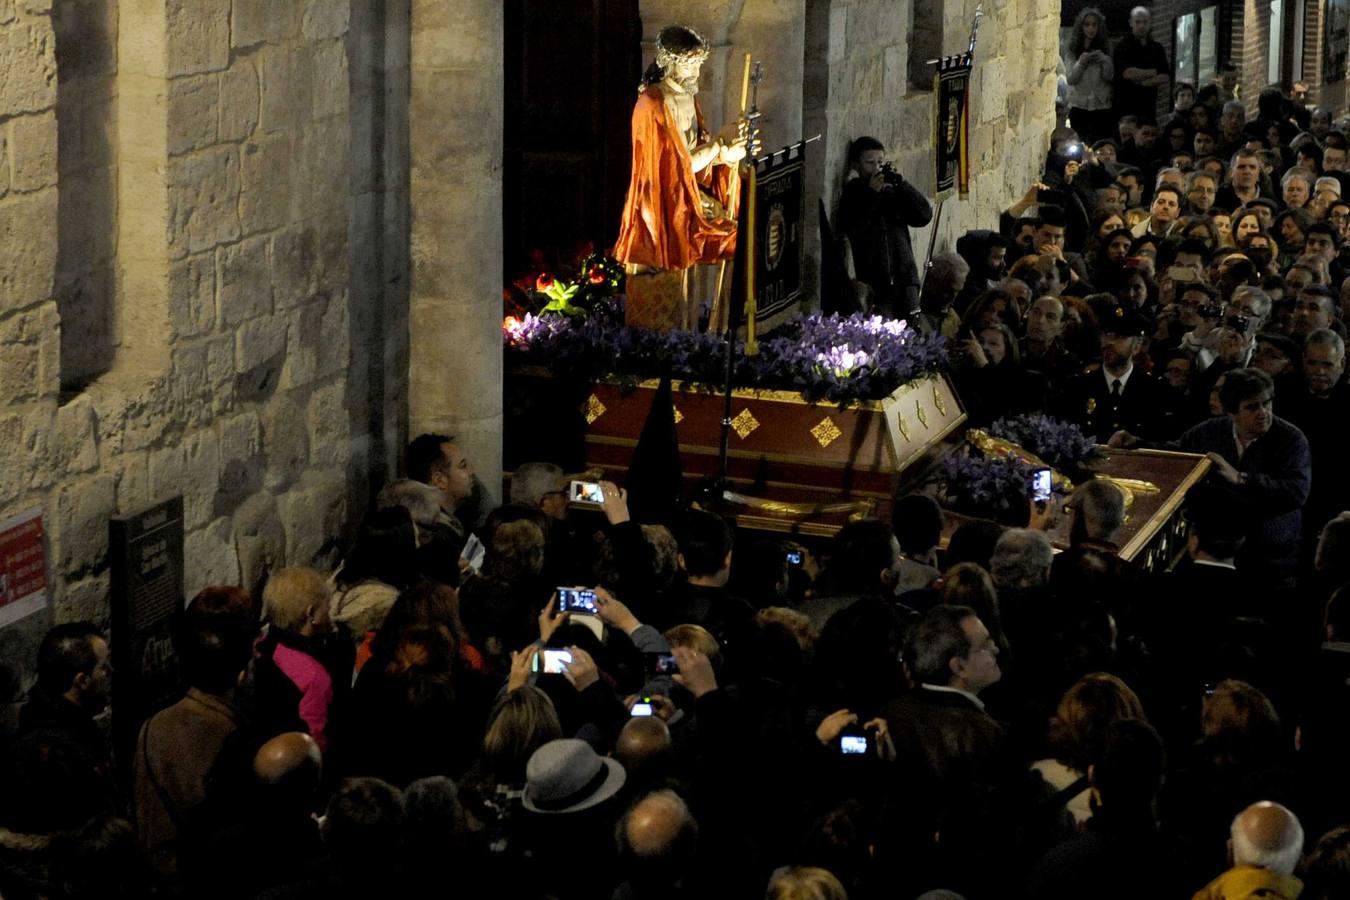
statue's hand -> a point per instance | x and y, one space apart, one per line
733 153
733 133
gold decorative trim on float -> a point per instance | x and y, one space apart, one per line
744 424
857 509
909 440
736 454
679 416
870 496
686 387
1170 506
826 433
594 409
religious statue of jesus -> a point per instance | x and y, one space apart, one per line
685 189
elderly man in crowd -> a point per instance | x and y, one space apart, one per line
1266 843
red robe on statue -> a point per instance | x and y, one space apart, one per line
663 223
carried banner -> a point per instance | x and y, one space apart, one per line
951 125
773 223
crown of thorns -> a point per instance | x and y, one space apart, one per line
688 44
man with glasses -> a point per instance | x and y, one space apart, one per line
1201 190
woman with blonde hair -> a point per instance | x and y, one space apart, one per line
522 721
804 883
1076 732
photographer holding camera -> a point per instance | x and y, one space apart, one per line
876 211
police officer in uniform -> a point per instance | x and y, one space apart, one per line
1114 394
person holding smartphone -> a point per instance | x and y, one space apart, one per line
1091 71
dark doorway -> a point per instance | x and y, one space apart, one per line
572 69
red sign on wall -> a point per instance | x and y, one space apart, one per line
23 567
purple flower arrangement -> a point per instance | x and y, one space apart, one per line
841 360
1060 444
984 486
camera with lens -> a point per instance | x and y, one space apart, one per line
1237 323
1209 312
888 172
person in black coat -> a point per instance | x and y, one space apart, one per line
1121 853
875 213
1263 462
1320 408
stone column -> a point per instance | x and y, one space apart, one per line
455 124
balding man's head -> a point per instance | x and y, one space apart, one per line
658 839
1099 510
290 765
1268 836
643 744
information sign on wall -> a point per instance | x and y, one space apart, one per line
23 567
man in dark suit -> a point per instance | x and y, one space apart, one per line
1115 395
1320 408
943 736
949 751
1186 612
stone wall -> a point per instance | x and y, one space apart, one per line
227 131
863 87
233 228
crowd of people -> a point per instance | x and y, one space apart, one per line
587 706
552 700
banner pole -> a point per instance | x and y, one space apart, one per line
932 244
942 198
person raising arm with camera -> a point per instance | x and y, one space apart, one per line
876 211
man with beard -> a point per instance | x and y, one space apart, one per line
74 681
685 189
986 252
1115 396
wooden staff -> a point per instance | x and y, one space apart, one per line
751 307
719 316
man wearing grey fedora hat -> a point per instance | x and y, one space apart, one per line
567 775
572 794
